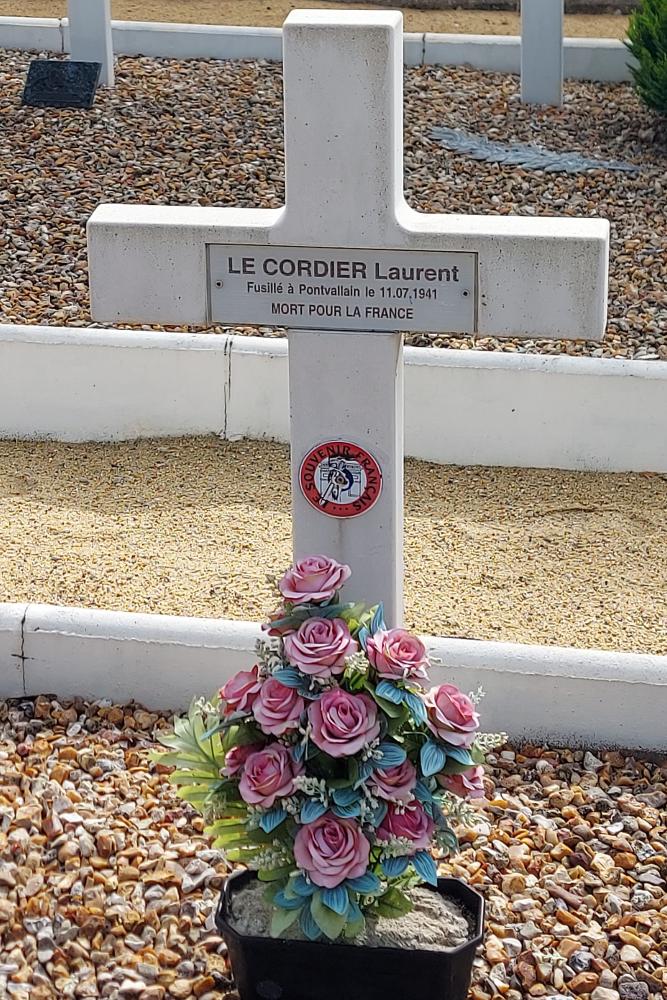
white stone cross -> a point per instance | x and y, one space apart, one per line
542 52
346 231
90 39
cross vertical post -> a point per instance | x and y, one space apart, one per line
90 35
344 179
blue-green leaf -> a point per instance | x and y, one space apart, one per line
378 622
391 755
422 792
289 676
312 810
281 920
329 922
432 758
379 813
425 867
337 900
270 820
298 752
347 812
393 867
301 886
308 925
365 770
416 706
363 635
331 610
345 796
367 884
287 902
460 755
355 921
389 691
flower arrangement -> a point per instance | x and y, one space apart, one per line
329 767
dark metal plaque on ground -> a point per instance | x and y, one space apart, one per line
54 83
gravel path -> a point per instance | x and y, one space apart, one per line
272 13
107 886
211 133
198 527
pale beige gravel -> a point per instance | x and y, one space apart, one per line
271 13
200 526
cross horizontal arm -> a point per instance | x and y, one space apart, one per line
542 278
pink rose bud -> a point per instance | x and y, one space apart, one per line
397 655
451 715
315 578
395 783
277 708
236 757
343 723
469 785
240 691
268 775
331 850
320 646
413 823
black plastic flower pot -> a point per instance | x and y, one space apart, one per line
269 969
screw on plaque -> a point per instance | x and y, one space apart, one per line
219 284
466 294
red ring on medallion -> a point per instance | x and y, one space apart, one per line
340 479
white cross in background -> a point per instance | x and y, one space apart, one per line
345 264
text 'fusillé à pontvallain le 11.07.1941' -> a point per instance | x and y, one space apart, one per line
325 289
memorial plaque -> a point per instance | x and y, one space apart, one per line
55 83
360 290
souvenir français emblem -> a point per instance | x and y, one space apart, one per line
340 479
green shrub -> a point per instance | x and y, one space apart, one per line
647 41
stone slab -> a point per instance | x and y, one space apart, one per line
53 83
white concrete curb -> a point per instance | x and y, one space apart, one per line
32 34
461 407
602 59
12 619
568 696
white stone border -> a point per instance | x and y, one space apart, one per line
461 407
601 59
574 697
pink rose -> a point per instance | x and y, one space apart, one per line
277 708
451 715
240 691
413 823
397 655
315 578
320 646
343 723
395 783
469 785
268 775
236 758
331 850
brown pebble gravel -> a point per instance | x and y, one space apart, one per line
200 526
210 133
108 886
